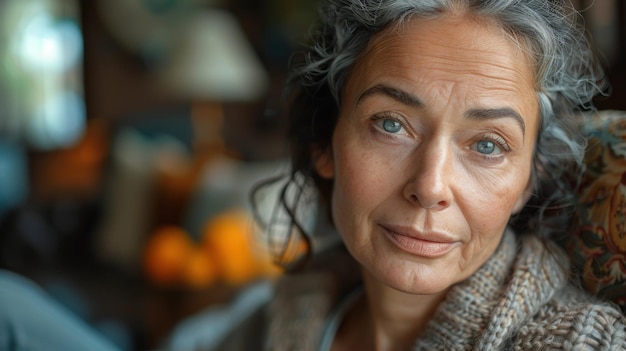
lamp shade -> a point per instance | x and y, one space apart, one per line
213 60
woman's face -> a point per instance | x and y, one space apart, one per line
432 151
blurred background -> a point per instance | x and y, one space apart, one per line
131 132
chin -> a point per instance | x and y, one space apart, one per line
411 278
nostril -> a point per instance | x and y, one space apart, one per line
427 194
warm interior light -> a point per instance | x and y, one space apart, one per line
41 51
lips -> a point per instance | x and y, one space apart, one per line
424 244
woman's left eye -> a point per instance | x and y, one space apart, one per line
487 147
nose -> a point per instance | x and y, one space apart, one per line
432 174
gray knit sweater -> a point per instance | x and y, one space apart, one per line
520 299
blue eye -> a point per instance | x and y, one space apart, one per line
487 147
391 126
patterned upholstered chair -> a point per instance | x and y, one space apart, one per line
598 245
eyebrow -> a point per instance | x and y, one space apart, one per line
412 100
394 93
495 113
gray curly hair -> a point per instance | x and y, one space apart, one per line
567 75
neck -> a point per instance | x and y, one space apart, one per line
397 318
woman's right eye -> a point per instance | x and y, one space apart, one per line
389 125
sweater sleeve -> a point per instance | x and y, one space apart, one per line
598 327
589 325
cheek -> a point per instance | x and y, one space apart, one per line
492 202
351 180
360 185
486 211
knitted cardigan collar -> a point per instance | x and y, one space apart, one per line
481 313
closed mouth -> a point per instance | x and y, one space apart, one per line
429 244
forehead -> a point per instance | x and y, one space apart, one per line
444 54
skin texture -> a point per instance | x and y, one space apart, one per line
431 155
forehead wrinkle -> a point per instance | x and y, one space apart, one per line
476 65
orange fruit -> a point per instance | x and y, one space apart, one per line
199 270
228 239
165 254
